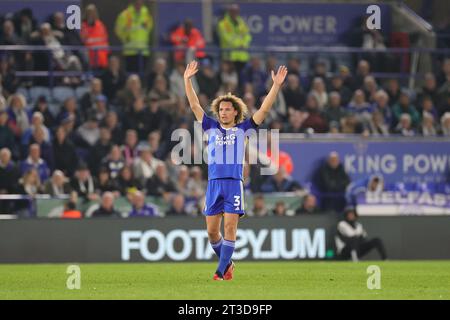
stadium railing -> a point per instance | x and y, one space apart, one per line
334 56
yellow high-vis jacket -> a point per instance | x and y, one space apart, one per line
234 36
133 29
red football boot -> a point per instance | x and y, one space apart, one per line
229 272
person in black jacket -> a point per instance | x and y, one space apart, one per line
332 182
106 209
9 178
352 240
64 153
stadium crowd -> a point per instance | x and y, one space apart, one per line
109 135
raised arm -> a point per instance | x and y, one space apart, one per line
278 79
190 71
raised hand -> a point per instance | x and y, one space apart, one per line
191 70
280 76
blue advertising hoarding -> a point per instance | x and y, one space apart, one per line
42 9
398 161
304 24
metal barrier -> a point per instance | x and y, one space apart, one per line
336 56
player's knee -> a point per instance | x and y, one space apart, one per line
230 231
213 234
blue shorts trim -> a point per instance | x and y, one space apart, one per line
224 196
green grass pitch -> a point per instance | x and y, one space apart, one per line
253 280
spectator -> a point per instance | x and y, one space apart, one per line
177 209
370 88
42 107
428 127
159 70
133 27
100 107
360 107
37 121
160 91
141 208
136 120
234 34
127 183
351 125
429 89
373 185
84 184
337 85
158 118
293 93
113 78
113 161
445 124
334 112
70 211
309 205
19 118
254 74
188 42
132 91
393 90
352 241
9 174
64 152
34 161
296 119
145 166
30 183
111 122
196 186
89 132
228 77
6 134
319 91
94 34
377 125
404 106
445 105
428 106
259 207
130 150
207 80
332 181
362 71
404 126
100 150
89 99
154 140
46 147
70 109
58 185
280 209
160 184
106 209
181 180
281 182
382 105
176 81
314 118
105 183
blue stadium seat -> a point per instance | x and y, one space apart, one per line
80 91
60 94
36 92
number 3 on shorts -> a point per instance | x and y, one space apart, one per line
237 202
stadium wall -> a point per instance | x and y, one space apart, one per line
184 239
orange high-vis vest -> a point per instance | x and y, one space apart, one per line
96 35
195 40
72 214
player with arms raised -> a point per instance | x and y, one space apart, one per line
224 196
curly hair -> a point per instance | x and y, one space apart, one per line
237 103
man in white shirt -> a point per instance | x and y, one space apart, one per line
351 238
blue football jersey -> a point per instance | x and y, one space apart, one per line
226 148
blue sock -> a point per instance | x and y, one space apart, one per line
225 255
217 246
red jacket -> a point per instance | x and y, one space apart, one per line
93 36
180 40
